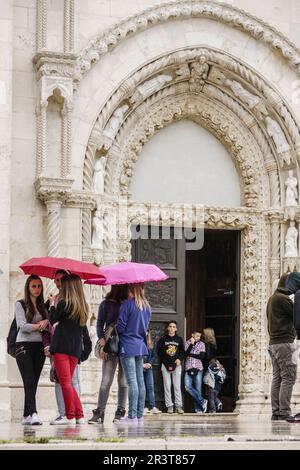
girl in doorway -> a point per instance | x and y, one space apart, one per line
148 376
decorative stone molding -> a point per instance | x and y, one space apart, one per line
183 9
211 116
41 24
68 25
54 72
47 188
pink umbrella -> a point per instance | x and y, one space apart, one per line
129 273
47 267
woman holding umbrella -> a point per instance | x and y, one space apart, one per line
132 325
71 313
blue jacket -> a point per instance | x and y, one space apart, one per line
132 327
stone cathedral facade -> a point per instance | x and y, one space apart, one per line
86 87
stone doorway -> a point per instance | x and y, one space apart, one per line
212 300
202 291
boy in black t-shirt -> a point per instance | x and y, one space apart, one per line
170 350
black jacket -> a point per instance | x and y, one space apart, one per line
297 313
280 317
67 338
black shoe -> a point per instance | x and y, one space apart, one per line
96 416
120 413
274 418
292 419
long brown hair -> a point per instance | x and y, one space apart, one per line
137 290
40 304
118 292
72 293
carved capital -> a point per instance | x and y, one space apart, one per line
53 189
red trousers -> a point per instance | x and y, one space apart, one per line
64 366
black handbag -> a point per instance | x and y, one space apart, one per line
193 372
13 333
112 341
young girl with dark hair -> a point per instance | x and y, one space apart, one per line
31 318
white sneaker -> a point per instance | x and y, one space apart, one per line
155 411
146 411
35 420
204 405
57 420
80 421
26 420
64 421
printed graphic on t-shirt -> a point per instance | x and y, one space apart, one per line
171 350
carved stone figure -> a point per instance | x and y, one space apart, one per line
150 87
93 336
242 93
97 231
291 249
98 176
115 122
274 130
291 195
199 73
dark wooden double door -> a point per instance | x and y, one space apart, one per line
202 291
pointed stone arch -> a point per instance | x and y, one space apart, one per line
232 101
182 10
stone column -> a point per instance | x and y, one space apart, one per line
41 26
68 25
251 386
6 86
41 137
274 219
53 205
66 130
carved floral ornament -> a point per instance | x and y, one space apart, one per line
183 9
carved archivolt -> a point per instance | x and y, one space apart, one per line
183 9
231 101
233 135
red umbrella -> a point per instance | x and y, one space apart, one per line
47 267
129 273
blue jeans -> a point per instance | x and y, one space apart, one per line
133 367
193 385
149 384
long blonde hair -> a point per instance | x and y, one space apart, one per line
209 336
72 293
137 290
150 342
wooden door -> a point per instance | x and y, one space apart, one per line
167 299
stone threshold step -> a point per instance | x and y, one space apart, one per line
193 416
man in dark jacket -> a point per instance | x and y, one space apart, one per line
281 345
296 418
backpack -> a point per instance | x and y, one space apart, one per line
86 345
12 334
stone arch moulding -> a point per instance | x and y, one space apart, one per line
210 102
185 9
